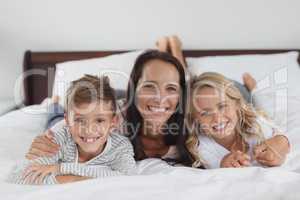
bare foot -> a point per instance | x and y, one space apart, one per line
175 47
55 99
162 44
249 81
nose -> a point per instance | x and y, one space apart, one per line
90 128
161 95
217 116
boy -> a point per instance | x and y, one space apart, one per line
89 149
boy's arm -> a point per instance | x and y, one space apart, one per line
24 173
61 179
125 162
39 171
91 171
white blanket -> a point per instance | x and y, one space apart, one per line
158 180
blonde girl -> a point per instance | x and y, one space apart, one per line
225 131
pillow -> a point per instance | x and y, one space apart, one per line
271 71
117 67
277 76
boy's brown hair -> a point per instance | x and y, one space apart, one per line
89 89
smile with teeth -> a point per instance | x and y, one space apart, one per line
157 109
220 127
89 139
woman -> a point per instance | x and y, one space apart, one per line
154 114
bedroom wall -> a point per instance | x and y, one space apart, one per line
43 25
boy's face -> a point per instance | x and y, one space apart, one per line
90 124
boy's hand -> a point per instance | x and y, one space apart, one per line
236 159
272 152
36 173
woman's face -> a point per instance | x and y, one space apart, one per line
216 113
158 92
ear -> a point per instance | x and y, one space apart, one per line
115 121
67 119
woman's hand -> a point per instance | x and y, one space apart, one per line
273 151
35 173
43 145
235 159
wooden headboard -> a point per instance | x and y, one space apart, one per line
42 65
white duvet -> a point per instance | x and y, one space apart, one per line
158 180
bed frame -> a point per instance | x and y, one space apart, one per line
42 65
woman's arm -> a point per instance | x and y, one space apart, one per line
43 145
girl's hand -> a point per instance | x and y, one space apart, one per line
235 159
273 151
35 174
43 145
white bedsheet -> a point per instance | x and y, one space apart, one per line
159 181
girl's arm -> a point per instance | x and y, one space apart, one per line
273 151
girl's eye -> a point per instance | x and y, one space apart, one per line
204 114
222 106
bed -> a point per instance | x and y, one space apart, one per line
157 179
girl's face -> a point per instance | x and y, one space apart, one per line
90 124
158 92
216 113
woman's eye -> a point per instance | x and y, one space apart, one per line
172 89
148 86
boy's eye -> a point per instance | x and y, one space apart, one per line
100 120
78 120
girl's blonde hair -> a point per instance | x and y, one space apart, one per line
247 125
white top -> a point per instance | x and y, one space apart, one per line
213 153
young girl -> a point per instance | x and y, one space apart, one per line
227 132
88 147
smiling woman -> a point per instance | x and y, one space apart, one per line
155 121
